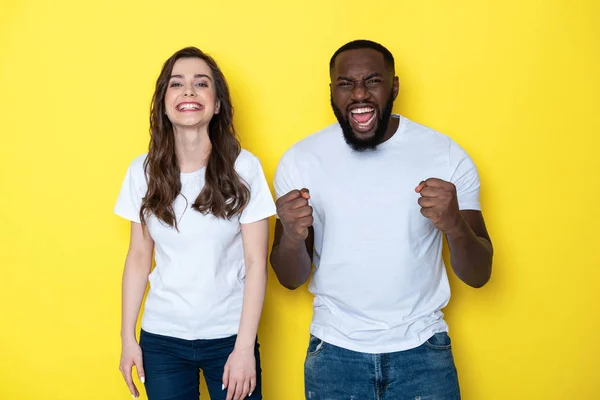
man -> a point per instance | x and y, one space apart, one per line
367 200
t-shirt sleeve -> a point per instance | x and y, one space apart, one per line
284 175
132 192
261 204
465 177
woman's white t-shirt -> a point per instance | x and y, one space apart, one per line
197 286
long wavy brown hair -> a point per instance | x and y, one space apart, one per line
225 194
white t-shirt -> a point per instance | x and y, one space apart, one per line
379 280
197 286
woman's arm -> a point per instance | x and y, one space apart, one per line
135 278
240 371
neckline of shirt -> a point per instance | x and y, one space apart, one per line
397 134
190 175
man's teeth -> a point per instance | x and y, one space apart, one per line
362 110
189 107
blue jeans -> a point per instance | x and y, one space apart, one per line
423 373
172 366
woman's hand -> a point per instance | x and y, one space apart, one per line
131 354
239 376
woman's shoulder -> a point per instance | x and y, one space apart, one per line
136 167
138 162
246 161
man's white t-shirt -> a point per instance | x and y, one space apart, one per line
197 286
379 280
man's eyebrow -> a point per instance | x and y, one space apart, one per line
373 75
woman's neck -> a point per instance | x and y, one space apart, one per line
192 147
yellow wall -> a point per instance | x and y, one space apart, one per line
516 82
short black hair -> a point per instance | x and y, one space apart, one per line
364 44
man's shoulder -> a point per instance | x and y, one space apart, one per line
433 141
318 140
419 132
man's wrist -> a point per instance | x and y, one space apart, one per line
291 242
459 229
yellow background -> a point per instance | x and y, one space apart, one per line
517 83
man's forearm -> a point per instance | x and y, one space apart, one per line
470 255
291 263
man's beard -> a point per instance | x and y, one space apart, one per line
358 144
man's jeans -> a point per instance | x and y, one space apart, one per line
423 373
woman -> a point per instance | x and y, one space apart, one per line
201 204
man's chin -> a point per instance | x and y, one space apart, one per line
361 141
364 136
